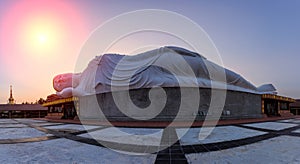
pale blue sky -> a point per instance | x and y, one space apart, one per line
258 39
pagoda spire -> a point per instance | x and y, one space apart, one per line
11 100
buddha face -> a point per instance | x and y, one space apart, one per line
62 81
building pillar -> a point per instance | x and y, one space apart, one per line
278 107
263 106
77 107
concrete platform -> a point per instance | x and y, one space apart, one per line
41 141
168 106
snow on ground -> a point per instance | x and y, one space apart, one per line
271 125
66 151
73 127
296 131
24 120
137 136
219 134
291 121
7 121
17 133
283 149
47 124
12 125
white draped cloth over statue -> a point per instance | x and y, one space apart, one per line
144 70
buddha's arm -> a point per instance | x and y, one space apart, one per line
69 92
66 92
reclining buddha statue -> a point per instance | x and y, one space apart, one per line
144 71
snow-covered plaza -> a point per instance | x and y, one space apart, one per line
39 141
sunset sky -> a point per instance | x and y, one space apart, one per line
39 39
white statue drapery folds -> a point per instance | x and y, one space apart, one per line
111 70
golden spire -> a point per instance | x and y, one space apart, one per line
11 100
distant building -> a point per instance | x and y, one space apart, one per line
13 110
22 111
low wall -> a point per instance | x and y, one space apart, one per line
102 106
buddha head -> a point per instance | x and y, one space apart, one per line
63 81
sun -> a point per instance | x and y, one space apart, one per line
42 38
40 30
42 34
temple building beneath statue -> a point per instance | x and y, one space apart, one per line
274 105
238 105
61 108
295 107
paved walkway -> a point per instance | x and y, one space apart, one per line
41 141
